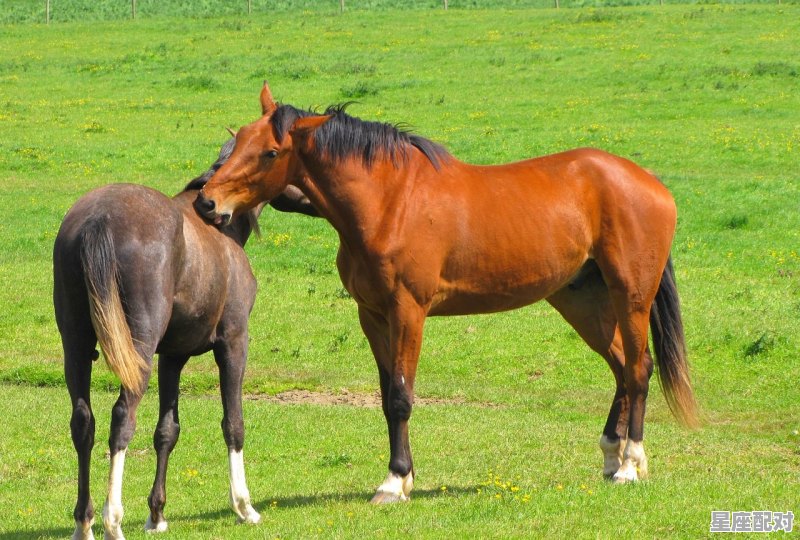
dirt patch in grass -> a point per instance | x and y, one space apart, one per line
353 399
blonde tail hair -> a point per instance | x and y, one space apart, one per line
105 307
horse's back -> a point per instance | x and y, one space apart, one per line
143 229
575 170
133 213
583 192
509 235
629 205
130 210
594 205
214 287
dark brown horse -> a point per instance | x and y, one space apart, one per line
142 274
423 234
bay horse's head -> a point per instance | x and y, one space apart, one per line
259 168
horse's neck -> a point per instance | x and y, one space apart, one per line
239 230
355 201
244 226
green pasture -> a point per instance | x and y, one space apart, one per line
27 11
707 96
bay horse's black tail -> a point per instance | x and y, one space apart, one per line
670 350
105 305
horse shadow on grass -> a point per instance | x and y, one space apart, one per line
55 532
262 506
299 501
310 500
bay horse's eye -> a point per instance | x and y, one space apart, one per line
270 154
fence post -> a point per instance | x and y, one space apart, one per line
249 7
557 6
47 12
341 6
133 9
445 4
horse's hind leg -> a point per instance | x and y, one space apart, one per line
123 426
79 342
78 374
165 437
613 441
637 373
147 315
632 287
587 308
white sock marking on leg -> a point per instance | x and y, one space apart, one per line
395 484
240 496
634 463
150 527
612 455
112 509
83 531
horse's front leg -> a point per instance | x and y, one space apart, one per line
165 437
231 359
396 344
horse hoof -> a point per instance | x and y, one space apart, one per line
83 531
625 476
630 472
251 517
383 497
154 528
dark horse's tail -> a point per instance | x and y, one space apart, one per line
105 305
670 350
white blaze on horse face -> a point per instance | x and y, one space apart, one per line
240 496
634 463
612 455
83 531
397 485
112 509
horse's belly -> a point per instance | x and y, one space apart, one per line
452 301
186 336
493 291
466 299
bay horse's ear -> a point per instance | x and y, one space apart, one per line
268 104
307 124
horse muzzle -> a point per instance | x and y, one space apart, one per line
208 209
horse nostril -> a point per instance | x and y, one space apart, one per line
205 205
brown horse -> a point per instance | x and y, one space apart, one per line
423 234
142 274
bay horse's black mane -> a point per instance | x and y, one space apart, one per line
346 136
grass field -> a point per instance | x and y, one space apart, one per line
706 96
35 11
